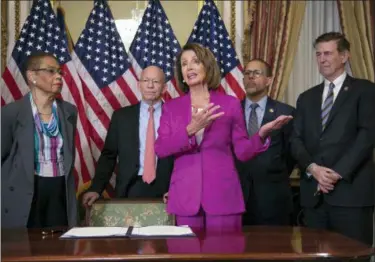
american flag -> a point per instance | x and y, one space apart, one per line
156 44
108 81
209 30
41 32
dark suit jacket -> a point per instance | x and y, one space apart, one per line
122 141
17 160
345 145
269 172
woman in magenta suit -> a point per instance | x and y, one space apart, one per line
201 130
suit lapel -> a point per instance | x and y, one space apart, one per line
344 93
243 104
270 111
66 123
26 136
134 121
316 109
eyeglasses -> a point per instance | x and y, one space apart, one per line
153 81
254 73
52 71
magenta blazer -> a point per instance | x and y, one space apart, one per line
205 175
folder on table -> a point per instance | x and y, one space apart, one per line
131 232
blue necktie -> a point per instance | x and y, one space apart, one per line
327 105
253 120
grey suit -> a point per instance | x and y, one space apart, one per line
17 161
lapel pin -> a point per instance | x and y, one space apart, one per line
346 88
271 110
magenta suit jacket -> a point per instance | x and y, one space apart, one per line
205 175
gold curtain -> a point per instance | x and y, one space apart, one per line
4 34
271 34
358 27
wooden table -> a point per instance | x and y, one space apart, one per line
254 243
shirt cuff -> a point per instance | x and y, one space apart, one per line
307 172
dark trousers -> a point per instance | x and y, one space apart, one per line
268 211
48 208
140 189
354 222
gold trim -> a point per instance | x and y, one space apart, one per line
17 19
233 21
4 34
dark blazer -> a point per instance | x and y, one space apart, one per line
17 160
268 173
346 144
122 141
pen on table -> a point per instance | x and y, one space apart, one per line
52 231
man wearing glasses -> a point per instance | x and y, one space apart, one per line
265 179
130 138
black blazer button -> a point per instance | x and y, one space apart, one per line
11 188
6 210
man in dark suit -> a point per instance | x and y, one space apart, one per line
333 141
265 179
127 140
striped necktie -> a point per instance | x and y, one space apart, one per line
327 105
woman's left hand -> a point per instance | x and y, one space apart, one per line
276 124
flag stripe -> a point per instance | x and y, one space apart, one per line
98 141
235 86
82 134
12 86
85 174
98 111
110 96
127 91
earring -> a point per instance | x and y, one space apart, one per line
34 82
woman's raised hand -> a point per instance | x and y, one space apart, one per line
202 118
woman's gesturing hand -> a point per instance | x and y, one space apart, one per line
202 118
278 123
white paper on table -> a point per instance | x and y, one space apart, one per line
162 231
95 232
